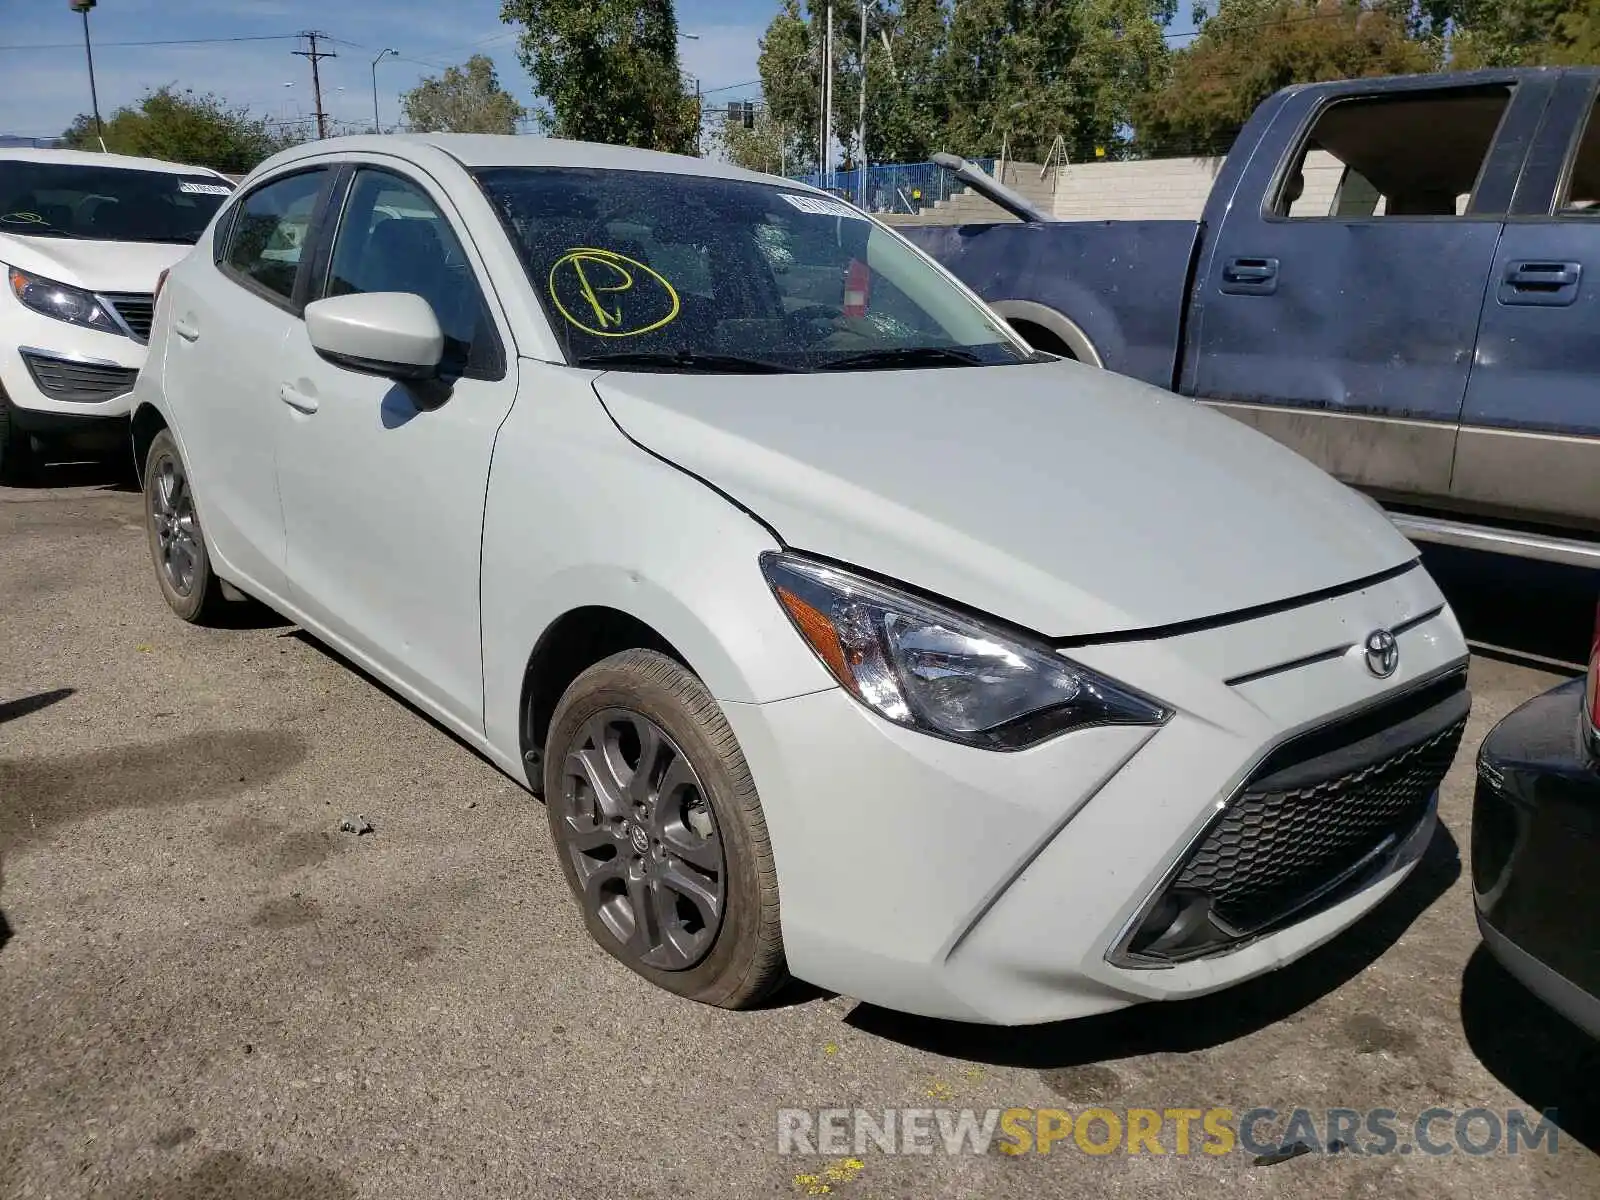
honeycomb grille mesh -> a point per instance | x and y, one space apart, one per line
1270 851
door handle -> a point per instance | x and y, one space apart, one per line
297 400
1250 276
185 330
1541 283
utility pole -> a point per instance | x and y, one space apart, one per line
83 6
861 119
316 56
827 103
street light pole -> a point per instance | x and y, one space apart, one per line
83 7
861 119
377 124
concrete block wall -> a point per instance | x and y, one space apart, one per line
1173 189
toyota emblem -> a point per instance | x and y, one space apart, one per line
1383 653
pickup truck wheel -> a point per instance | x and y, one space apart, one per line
177 543
660 831
16 448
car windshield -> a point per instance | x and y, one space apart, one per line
646 270
111 204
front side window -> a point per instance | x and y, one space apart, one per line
666 271
393 238
110 204
1412 154
269 231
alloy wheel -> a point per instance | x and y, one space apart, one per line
176 525
642 837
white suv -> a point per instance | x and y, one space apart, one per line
843 635
83 239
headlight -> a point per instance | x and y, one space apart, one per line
933 669
64 303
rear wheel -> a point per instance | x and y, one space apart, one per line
660 831
177 543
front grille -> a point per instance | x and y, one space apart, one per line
1310 826
78 383
138 312
1272 848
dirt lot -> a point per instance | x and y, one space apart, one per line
210 991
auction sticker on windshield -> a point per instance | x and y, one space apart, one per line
205 189
821 206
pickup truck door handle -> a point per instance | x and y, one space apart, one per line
185 330
1554 284
297 400
1250 276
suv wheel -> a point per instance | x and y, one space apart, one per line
177 544
660 831
16 447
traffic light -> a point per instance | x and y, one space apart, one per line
742 112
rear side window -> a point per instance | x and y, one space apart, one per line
1415 154
269 231
1581 195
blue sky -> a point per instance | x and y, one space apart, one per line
44 89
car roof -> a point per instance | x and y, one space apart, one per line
474 150
95 158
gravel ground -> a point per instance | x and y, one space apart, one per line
209 991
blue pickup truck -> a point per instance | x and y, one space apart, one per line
1397 277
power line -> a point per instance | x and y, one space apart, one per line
728 87
270 37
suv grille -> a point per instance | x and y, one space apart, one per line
138 312
1311 826
78 383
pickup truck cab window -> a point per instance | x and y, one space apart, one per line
268 231
1580 196
1412 154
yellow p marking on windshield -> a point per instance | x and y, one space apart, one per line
599 277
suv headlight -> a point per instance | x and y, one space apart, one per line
934 669
61 301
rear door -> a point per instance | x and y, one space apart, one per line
232 313
1530 428
1337 306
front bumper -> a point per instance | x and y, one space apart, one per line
936 879
75 376
1536 852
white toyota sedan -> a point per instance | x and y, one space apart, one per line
83 239
843 636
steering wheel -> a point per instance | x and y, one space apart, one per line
816 312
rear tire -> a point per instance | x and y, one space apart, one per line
177 543
660 832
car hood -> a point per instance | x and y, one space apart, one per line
1063 498
97 266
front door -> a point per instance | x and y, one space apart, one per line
1530 429
1337 309
383 482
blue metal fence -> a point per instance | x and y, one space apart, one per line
893 187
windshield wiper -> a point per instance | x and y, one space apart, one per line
905 356
683 360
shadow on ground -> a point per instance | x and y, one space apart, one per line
1527 607
232 1175
1185 1025
1547 1061
10 710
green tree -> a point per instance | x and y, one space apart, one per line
609 70
185 127
466 99
790 67
1251 48
766 146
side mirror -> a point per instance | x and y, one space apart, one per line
394 334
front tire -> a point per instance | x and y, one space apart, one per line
660 831
16 447
177 543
